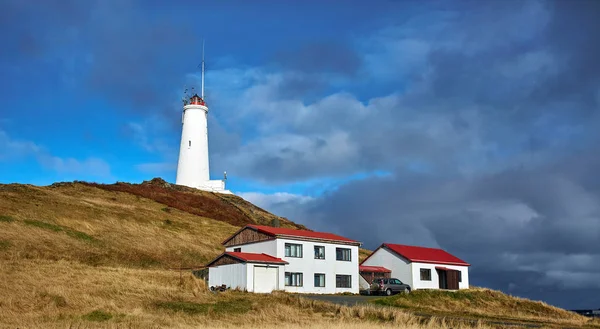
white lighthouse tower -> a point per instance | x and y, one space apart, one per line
192 168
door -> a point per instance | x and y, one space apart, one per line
265 279
452 279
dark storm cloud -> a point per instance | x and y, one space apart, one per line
136 58
476 97
526 231
493 152
330 56
28 27
570 35
310 65
130 55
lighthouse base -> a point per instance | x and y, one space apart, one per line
216 186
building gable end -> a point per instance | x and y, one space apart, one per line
245 236
224 259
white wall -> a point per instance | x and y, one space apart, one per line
399 266
268 247
232 275
308 266
435 283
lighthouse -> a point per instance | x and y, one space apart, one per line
193 166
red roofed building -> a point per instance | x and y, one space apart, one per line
421 267
264 258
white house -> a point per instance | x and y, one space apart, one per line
420 267
294 260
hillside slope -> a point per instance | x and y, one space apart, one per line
153 224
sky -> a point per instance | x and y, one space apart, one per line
472 126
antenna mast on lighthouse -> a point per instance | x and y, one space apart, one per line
193 165
202 70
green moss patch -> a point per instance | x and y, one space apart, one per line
44 225
97 316
57 228
5 244
79 235
6 219
239 306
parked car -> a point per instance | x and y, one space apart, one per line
388 287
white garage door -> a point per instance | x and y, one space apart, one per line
265 278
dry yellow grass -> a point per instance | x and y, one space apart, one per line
97 227
483 303
363 254
62 294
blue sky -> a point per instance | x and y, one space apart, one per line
69 114
467 125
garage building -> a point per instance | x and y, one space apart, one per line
246 271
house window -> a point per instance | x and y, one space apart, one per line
459 276
319 280
342 254
343 281
425 274
293 279
293 250
319 252
237 249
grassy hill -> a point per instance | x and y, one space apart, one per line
153 224
92 255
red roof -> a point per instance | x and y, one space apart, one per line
250 258
289 232
377 269
425 255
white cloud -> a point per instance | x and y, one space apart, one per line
13 149
267 201
90 166
10 148
283 204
